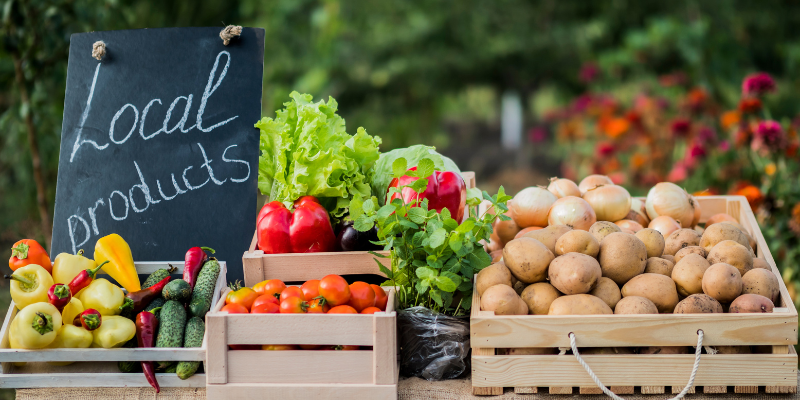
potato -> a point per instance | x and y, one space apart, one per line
657 265
622 256
680 239
635 305
722 231
522 308
577 241
658 288
669 257
653 241
665 350
574 273
751 303
761 263
698 304
549 236
518 286
719 218
608 291
539 296
722 281
527 351
494 274
527 259
763 282
501 299
730 252
601 229
579 304
751 241
690 250
605 350
506 230
688 274
733 349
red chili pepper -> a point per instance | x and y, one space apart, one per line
83 279
59 295
306 230
143 297
146 331
90 319
193 263
445 190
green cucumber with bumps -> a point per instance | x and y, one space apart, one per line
157 276
204 288
172 324
195 329
156 303
177 290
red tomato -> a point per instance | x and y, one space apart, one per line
361 296
335 290
265 308
235 308
344 309
278 347
260 287
292 291
293 305
265 298
317 306
368 310
274 287
310 289
380 297
311 346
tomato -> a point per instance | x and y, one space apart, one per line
260 286
369 310
263 299
244 347
381 298
317 306
265 308
361 296
310 289
278 347
293 305
344 347
311 346
344 309
235 308
335 290
292 291
274 287
244 296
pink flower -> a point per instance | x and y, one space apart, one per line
706 134
681 127
679 172
582 102
725 145
605 149
537 134
757 84
589 72
768 135
695 151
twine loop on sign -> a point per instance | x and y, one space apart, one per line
99 50
230 32
611 394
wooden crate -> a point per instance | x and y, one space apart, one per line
98 367
261 374
776 372
300 267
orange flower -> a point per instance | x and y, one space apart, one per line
638 160
705 192
615 127
696 98
730 119
794 223
753 195
770 169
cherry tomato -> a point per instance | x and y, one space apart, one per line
368 310
274 287
292 291
317 306
361 296
235 308
244 296
260 287
293 305
344 309
310 289
265 308
311 346
335 290
278 347
380 297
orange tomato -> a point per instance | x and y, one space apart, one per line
265 308
335 290
317 306
26 252
361 296
274 287
244 296
265 298
260 286
310 289
370 310
278 347
344 309
293 305
380 297
235 308
292 291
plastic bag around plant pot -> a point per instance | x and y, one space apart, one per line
433 346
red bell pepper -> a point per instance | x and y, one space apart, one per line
193 262
146 331
84 278
59 295
307 229
445 190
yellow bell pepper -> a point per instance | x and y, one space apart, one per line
115 250
71 310
70 337
103 296
29 285
115 331
67 266
34 327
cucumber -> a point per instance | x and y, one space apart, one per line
204 288
129 366
195 329
157 276
157 302
172 323
171 368
178 290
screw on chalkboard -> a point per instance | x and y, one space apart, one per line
99 50
230 32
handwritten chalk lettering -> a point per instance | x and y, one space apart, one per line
209 90
145 190
144 117
93 216
178 190
114 122
111 205
183 120
78 141
72 232
233 160
207 164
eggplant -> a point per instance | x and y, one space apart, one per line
349 239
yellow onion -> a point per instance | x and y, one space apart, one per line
530 206
572 211
629 226
593 180
697 211
664 224
638 213
610 202
562 187
722 217
669 199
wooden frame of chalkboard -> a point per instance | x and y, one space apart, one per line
300 267
98 367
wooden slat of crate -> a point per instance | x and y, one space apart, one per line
306 391
300 366
103 374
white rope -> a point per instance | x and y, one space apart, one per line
614 396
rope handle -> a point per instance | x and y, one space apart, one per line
613 395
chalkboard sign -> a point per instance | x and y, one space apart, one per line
158 143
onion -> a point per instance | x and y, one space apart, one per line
506 230
722 217
637 212
664 224
669 199
563 187
610 202
593 180
697 211
530 206
629 226
572 211
526 230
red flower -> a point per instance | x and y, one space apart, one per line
589 72
696 99
695 151
750 105
605 149
769 135
706 134
681 127
537 134
757 84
